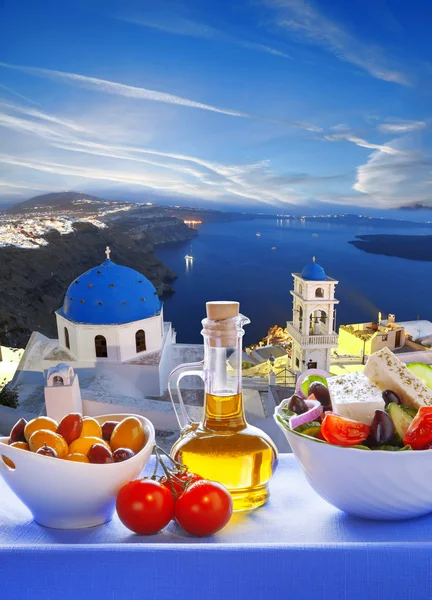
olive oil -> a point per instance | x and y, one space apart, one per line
225 448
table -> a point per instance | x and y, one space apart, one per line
297 547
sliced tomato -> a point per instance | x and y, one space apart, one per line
343 432
419 433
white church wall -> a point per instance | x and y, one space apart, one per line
310 290
317 356
62 323
86 343
121 343
152 328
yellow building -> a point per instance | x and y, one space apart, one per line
363 339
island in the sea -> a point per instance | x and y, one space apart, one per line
412 247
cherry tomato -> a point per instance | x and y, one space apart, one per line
179 486
204 508
343 432
419 433
145 506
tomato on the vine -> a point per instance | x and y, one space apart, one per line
145 506
179 481
204 508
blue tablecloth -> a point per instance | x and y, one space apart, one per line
297 547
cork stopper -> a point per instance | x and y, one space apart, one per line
223 309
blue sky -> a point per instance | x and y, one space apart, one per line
270 105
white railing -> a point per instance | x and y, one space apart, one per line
329 339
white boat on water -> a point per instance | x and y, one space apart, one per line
188 257
258 234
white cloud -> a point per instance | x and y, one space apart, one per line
139 93
172 23
42 116
302 19
349 137
8 89
400 126
392 181
167 172
121 89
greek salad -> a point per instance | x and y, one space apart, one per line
388 406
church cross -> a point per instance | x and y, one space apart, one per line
107 252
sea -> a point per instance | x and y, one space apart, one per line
232 262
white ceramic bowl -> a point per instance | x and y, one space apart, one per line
371 484
71 495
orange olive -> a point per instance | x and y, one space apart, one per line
91 428
55 441
39 423
83 444
129 433
77 457
70 427
22 445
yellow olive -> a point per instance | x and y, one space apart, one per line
129 433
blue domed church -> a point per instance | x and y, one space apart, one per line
111 313
314 319
111 332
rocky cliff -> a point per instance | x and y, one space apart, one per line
34 281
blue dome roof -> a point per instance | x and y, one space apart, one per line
110 294
314 272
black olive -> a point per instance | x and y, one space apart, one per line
297 405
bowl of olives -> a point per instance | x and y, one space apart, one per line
68 473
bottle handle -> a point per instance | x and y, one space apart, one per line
176 375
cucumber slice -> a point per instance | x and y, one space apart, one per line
410 410
408 447
400 418
360 447
423 372
306 426
312 431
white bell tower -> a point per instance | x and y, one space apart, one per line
62 392
313 326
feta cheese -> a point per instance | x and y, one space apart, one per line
354 396
389 373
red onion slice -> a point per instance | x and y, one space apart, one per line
303 376
314 412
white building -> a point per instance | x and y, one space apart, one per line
313 326
110 327
62 392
